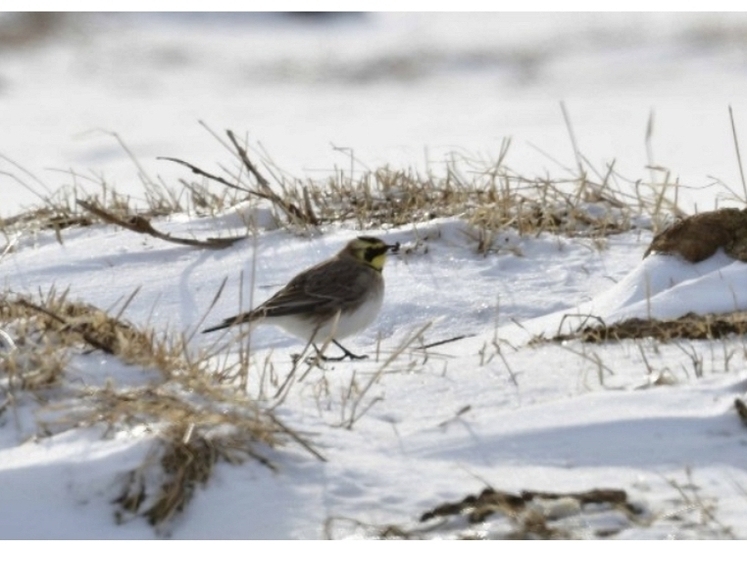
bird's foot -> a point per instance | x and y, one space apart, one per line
346 354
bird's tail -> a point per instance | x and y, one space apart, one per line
228 322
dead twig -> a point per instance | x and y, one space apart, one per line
739 155
447 340
142 225
265 192
290 209
296 437
95 342
208 175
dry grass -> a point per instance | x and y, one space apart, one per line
64 209
195 418
489 195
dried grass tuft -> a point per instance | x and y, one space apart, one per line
488 194
195 417
689 326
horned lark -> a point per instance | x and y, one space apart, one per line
330 301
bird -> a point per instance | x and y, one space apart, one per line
329 301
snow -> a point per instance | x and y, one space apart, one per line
656 420
663 287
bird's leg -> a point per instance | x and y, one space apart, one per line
347 354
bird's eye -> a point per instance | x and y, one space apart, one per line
373 252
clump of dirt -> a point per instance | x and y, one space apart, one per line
496 514
536 514
698 237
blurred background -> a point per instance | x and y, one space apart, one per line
323 93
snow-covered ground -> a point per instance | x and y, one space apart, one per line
652 419
552 417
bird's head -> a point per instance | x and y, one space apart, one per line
369 250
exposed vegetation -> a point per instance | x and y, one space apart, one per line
194 416
690 326
488 195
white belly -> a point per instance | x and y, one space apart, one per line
338 328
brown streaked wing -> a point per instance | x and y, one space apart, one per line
309 292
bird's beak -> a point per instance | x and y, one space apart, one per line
394 248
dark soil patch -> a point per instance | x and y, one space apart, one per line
691 326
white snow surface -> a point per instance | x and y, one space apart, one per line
656 420
549 417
